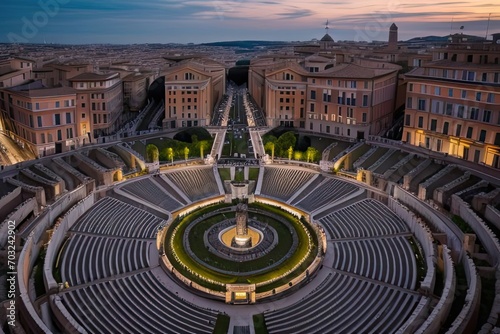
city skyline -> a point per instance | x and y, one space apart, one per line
174 21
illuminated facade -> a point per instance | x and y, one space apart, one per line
99 103
43 117
192 90
453 102
347 100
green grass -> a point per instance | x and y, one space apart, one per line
228 265
253 174
198 248
225 174
259 324
222 324
236 145
239 175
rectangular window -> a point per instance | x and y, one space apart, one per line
365 100
469 132
409 103
471 76
464 94
423 89
450 92
68 118
420 122
437 90
487 116
421 104
39 121
433 124
445 128
497 139
458 130
482 136
478 96
57 104
312 107
407 120
410 87
491 98
311 126
59 135
474 114
363 117
57 119
313 95
42 138
31 121
69 133
477 154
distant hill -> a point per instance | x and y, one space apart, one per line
441 39
247 44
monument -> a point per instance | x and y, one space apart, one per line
242 238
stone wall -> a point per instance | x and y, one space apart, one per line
439 221
492 215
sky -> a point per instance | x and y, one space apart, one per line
197 21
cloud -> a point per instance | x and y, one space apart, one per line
295 14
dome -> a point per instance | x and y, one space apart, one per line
327 38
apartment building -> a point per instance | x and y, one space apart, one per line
346 99
192 90
15 71
99 103
43 117
453 102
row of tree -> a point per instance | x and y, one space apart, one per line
285 147
176 150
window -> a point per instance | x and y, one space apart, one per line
313 95
471 76
68 118
363 117
464 94
407 120
95 119
495 77
478 96
477 155
57 119
421 104
49 138
83 115
31 121
439 144
410 87
69 133
433 124
445 128
311 126
104 106
59 135
469 132
423 89
409 103
42 138
58 104
460 111
39 121
37 106
491 98
458 130
484 77
365 100
497 139
437 90
312 107
482 136
487 116
450 92
420 122
474 114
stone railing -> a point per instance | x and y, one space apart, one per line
363 158
382 159
492 214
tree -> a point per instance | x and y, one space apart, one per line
290 153
152 153
285 141
270 147
186 153
170 154
203 145
312 154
